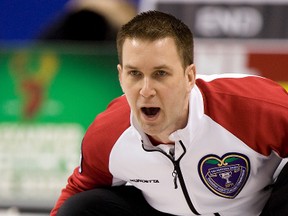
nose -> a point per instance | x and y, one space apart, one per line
147 89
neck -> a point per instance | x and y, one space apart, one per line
156 141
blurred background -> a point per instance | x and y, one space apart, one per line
58 71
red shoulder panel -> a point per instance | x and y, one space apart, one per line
253 109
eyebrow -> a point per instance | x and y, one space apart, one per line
161 67
128 66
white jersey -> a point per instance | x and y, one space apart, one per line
222 162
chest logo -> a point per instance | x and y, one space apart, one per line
225 176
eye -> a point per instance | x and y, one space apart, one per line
160 73
135 73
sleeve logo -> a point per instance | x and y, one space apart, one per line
225 176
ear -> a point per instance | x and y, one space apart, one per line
119 68
190 73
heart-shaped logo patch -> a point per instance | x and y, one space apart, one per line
225 176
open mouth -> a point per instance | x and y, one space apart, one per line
150 111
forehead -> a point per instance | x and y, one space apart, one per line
139 46
139 41
147 53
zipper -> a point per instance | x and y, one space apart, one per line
175 176
178 174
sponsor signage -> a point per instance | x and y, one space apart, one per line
228 19
48 97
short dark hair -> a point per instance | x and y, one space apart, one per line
153 25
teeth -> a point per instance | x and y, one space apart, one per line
150 111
